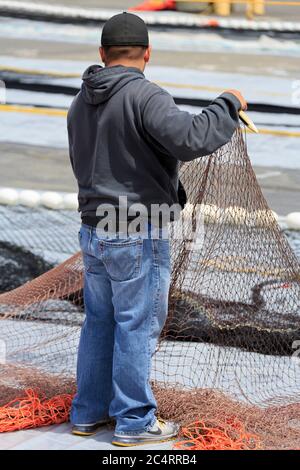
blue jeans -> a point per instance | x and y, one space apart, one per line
126 287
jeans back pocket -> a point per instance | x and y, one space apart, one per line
122 257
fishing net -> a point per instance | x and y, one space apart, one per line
154 5
227 359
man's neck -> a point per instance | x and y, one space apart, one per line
125 63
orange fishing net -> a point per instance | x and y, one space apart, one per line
227 358
209 436
31 411
155 5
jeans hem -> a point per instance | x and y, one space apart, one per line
88 422
136 433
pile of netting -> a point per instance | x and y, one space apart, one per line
226 366
155 5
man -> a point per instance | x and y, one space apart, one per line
126 138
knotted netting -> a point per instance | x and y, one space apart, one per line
228 354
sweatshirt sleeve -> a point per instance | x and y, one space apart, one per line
188 136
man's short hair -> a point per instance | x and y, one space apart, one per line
113 53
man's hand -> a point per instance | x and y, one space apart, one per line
240 97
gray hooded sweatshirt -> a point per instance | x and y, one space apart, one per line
127 137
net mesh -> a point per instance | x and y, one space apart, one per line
229 347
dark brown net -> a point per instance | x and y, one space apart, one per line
229 346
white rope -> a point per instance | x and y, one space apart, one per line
212 214
171 19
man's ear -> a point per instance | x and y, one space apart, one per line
148 54
102 54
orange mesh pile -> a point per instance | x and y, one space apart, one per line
227 357
209 436
32 411
155 5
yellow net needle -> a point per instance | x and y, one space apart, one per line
249 123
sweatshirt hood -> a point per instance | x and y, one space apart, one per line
101 83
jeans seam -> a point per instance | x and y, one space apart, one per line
154 312
90 240
139 260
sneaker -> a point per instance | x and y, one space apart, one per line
89 429
161 431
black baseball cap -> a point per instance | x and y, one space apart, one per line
125 29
